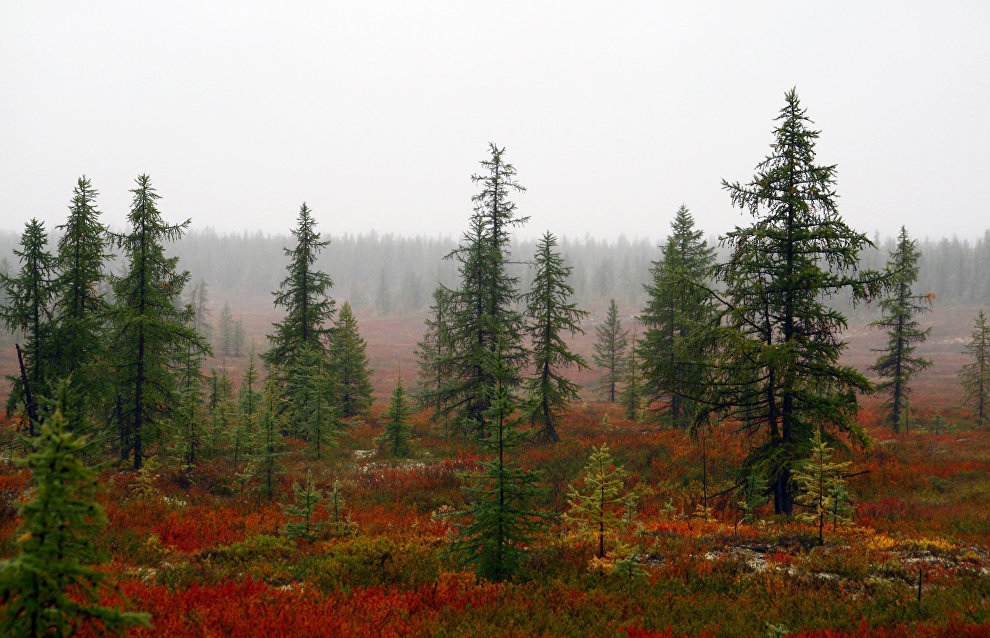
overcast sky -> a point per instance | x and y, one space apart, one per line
376 113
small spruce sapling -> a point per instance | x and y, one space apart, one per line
753 495
394 441
339 522
304 508
49 588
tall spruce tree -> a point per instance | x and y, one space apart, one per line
350 365
549 315
305 295
78 307
50 588
676 318
499 511
150 330
29 311
610 352
975 375
778 359
483 304
897 363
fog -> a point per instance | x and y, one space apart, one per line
377 113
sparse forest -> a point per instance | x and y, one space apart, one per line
777 431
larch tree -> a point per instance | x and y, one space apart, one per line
897 363
550 316
29 311
79 310
975 375
51 587
483 303
600 505
778 372
676 318
499 515
610 352
350 365
820 480
150 332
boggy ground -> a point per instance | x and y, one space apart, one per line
207 558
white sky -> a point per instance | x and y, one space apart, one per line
376 113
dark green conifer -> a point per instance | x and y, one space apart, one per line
394 440
778 371
483 303
150 330
305 295
350 365
434 353
897 363
975 375
631 397
29 311
610 352
499 511
50 587
220 407
79 308
676 318
549 316
268 447
188 418
304 509
315 402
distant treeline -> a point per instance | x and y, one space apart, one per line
388 275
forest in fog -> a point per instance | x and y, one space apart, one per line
388 275
568 436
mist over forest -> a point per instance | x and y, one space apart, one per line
389 275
